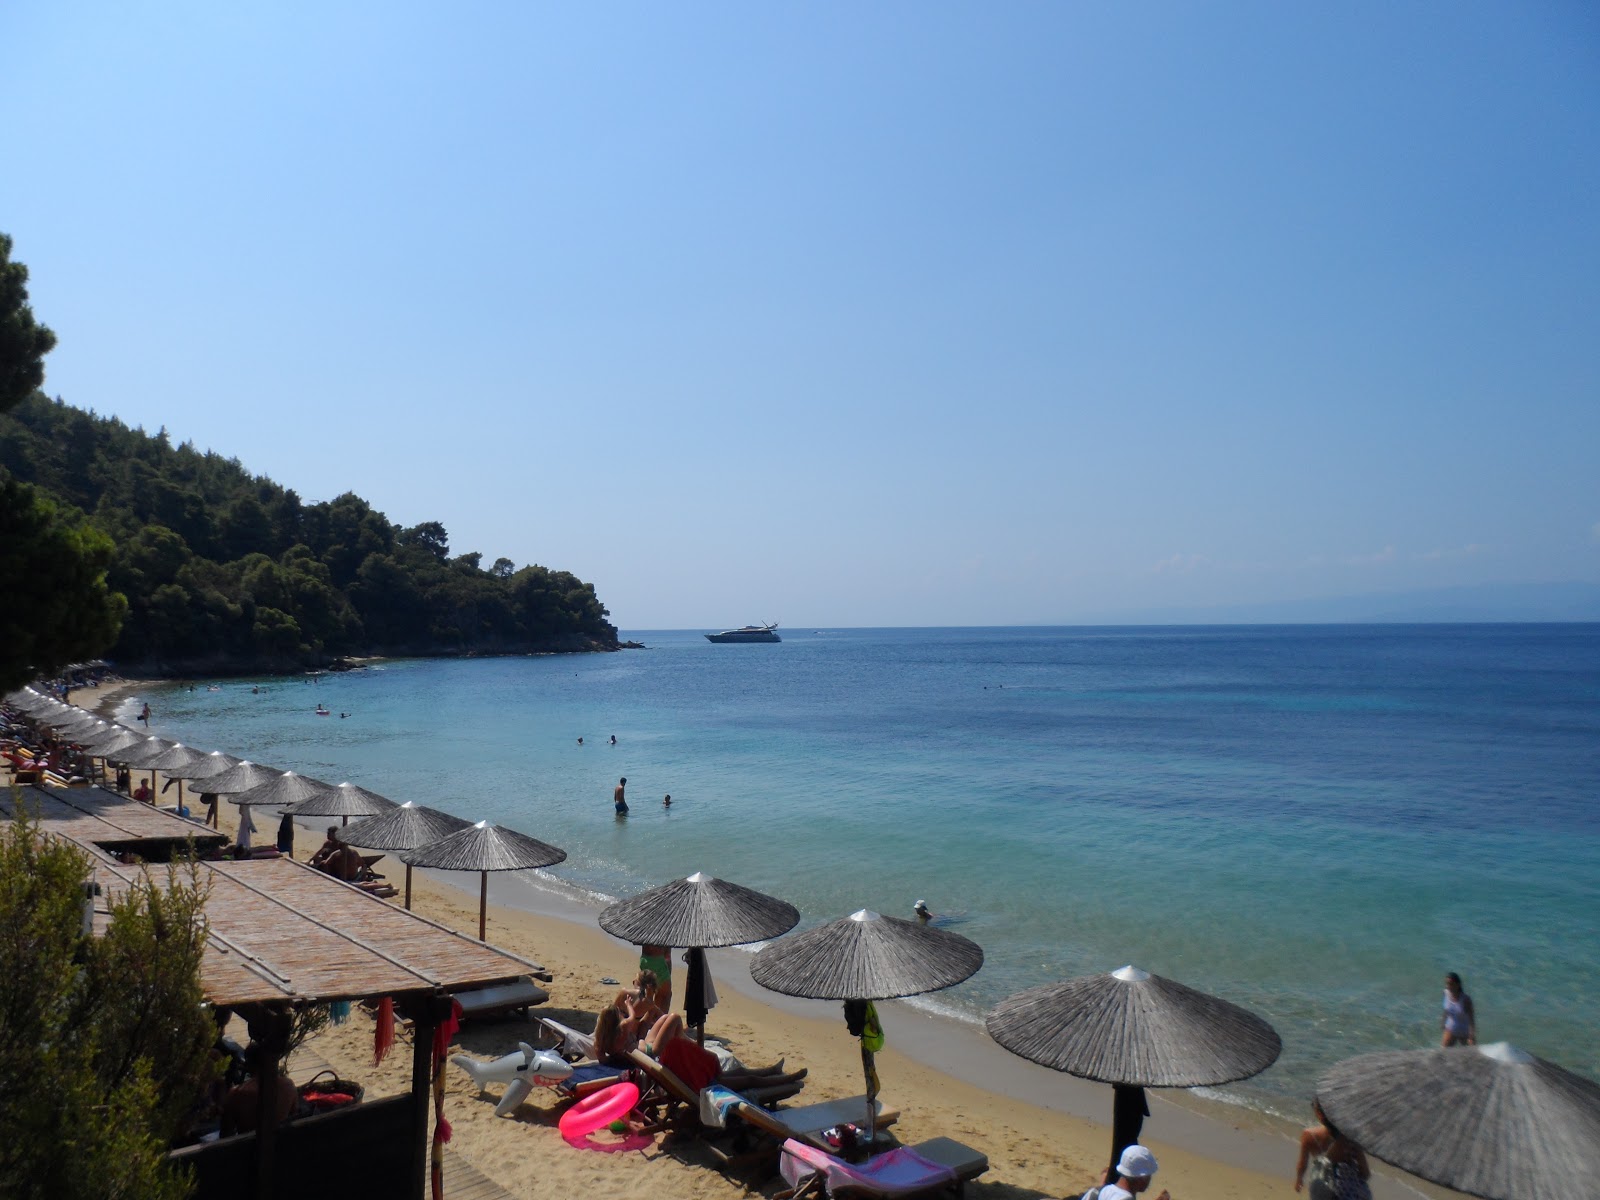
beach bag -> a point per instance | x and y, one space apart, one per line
324 1095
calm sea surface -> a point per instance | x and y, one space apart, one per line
1314 822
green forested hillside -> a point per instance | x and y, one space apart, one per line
225 570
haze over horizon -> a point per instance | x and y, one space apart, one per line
909 315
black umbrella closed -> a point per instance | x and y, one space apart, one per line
1491 1121
1134 1030
866 956
404 828
698 912
483 848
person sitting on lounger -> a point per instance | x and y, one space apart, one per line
337 859
669 1045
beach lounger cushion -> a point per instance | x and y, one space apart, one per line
518 995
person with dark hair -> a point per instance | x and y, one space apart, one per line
1458 1021
242 1104
1339 1169
619 797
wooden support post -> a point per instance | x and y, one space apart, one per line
483 906
408 887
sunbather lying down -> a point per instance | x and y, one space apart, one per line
674 1049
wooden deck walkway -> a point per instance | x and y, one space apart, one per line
462 1180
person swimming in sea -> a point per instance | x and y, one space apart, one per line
619 797
924 913
666 801
613 739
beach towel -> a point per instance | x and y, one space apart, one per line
715 1101
899 1172
696 1067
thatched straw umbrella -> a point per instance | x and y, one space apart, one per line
866 956
174 762
285 789
139 756
697 913
1134 1030
484 848
404 828
1491 1121
347 800
99 740
240 777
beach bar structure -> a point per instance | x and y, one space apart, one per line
282 936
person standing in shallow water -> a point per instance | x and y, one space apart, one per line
619 797
1458 1021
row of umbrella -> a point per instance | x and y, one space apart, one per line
1490 1121
421 836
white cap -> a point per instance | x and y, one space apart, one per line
920 905
1136 1163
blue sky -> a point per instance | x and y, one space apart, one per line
847 314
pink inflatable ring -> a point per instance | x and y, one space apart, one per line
599 1110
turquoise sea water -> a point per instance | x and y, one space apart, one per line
1315 822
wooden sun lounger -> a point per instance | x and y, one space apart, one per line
667 1102
963 1162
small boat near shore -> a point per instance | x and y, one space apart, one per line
749 633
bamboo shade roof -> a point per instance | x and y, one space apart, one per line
277 929
1491 1121
404 828
96 817
1131 1027
699 911
866 956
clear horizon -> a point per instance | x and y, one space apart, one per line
911 316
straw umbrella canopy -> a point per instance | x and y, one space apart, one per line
404 828
347 800
284 790
72 720
1134 1030
174 762
240 777
866 956
698 912
150 747
483 848
1491 1121
204 768
107 743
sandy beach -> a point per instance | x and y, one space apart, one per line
1045 1134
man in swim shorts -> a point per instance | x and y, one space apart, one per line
618 797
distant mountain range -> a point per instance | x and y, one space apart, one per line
1485 602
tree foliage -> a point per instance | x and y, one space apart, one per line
23 341
58 606
224 569
104 1044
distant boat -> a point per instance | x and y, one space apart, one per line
750 633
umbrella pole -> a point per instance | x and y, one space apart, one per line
483 906
871 1073
408 887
